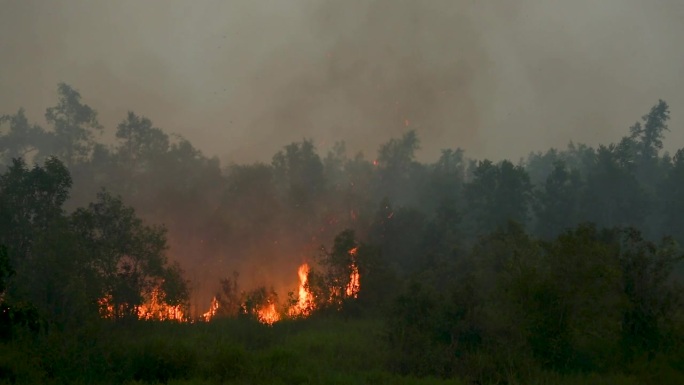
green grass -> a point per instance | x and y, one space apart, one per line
312 351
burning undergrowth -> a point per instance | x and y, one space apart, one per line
334 280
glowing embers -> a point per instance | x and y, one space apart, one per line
106 307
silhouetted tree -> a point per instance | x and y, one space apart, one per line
557 203
73 125
497 194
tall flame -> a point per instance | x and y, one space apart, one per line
305 299
213 308
354 285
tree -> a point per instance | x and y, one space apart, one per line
655 301
33 224
398 232
613 195
330 287
6 270
298 172
497 194
127 255
73 126
556 204
540 165
30 201
672 201
446 179
576 311
650 134
22 139
397 168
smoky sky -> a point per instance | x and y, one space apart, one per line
242 78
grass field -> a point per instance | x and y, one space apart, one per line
313 351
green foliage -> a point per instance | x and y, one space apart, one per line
654 301
6 270
229 363
298 171
159 361
398 232
672 193
22 139
126 255
613 195
468 294
589 301
497 194
73 126
557 204
19 366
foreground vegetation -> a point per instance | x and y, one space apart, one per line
312 351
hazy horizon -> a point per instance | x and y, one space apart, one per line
240 79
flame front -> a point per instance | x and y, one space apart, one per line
154 309
267 313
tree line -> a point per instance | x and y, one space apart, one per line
565 257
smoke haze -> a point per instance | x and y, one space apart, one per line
240 79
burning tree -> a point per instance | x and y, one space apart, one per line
261 304
230 302
303 303
128 259
339 278
230 299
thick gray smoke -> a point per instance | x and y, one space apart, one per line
242 78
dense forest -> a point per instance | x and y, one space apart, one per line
129 255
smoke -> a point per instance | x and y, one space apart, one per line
242 78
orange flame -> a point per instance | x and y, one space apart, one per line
354 285
268 314
153 309
305 302
213 308
156 309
